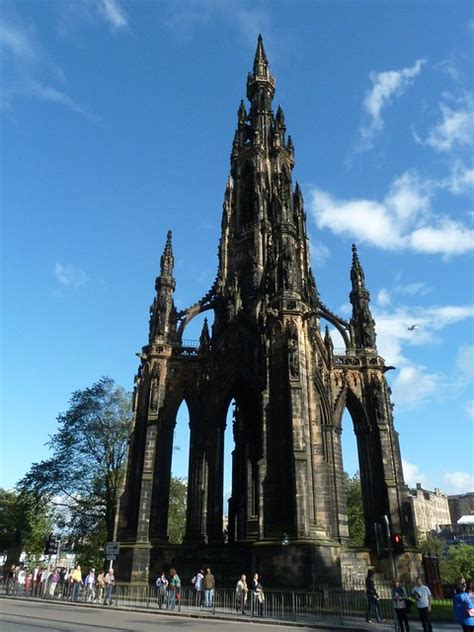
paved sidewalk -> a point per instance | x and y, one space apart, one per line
329 624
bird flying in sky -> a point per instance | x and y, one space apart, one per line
412 327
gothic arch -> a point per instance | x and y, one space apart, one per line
348 399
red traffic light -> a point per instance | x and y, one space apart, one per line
397 544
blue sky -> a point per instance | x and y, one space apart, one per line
117 123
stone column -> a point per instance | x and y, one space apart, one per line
197 486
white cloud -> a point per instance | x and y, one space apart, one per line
113 13
403 220
413 385
30 72
412 475
393 333
456 129
446 237
461 179
458 482
320 253
383 298
385 87
17 42
417 288
70 276
465 361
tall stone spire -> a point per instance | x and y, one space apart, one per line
362 323
167 258
163 311
260 83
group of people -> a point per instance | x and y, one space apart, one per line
168 591
60 583
257 595
420 595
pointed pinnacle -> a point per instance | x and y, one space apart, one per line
280 117
357 272
167 259
241 112
260 56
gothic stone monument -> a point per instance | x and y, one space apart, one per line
268 353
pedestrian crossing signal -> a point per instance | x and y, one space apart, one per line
397 544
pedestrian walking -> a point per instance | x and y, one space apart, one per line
53 582
161 589
89 586
76 578
373 605
100 587
209 584
258 596
241 593
463 607
20 580
109 586
400 600
422 595
197 582
10 583
174 586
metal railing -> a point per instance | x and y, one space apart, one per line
336 606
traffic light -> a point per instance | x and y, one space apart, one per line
397 544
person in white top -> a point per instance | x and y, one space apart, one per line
197 583
422 596
20 580
241 592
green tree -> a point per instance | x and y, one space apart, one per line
459 562
25 524
355 510
177 509
430 544
85 472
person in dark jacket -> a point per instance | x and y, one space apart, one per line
373 604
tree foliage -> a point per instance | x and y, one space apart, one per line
458 563
431 545
25 524
86 469
177 509
355 510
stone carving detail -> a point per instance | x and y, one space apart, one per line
293 355
154 390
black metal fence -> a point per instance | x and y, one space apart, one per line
336 606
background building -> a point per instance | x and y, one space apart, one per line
460 505
430 509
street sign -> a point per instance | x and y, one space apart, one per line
112 548
110 558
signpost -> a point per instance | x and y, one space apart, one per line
111 549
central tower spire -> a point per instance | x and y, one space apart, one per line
264 252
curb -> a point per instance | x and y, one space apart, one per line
316 625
